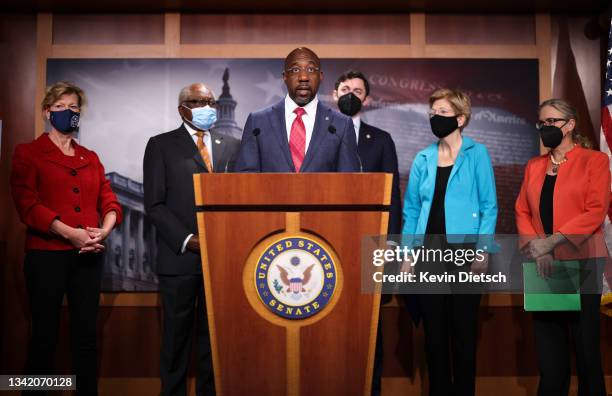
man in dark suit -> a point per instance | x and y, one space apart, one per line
378 154
170 161
299 133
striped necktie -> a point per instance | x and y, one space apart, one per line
204 151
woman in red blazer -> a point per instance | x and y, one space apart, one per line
64 199
559 214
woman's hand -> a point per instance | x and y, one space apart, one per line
544 266
98 235
82 240
407 266
86 240
98 232
539 247
480 266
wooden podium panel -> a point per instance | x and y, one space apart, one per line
237 332
343 367
255 350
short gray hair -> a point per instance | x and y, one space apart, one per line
186 92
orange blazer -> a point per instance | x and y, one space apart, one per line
580 203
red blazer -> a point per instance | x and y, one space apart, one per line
580 203
48 185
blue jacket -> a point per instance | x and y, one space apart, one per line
471 201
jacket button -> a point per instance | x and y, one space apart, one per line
75 190
73 172
77 209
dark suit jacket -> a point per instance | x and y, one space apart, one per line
378 154
265 147
170 161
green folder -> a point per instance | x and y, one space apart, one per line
559 292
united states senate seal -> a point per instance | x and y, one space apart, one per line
295 277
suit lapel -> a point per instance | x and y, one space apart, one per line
218 151
536 183
432 166
279 129
187 146
318 134
364 144
53 153
466 144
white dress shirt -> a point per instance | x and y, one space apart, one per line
308 118
208 142
357 125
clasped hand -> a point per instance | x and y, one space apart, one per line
88 240
540 250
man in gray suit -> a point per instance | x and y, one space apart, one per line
170 161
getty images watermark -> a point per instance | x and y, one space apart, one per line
459 264
414 256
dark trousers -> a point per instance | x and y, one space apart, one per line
378 360
49 275
552 332
182 302
451 326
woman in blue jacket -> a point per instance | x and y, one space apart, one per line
450 195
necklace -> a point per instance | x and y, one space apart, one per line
555 167
556 164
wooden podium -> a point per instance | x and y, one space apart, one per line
281 261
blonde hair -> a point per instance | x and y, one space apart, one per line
570 113
460 102
54 92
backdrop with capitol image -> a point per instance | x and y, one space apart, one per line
131 100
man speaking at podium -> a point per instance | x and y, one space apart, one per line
299 133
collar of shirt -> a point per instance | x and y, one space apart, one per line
357 125
308 118
207 139
193 132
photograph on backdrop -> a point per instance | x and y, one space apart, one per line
131 100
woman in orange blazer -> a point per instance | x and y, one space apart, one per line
560 210
64 198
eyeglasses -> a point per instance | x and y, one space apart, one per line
194 103
550 121
442 112
294 71
62 107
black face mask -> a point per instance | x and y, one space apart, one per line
443 126
551 136
349 104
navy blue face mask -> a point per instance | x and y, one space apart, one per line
65 121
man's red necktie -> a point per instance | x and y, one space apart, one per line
297 139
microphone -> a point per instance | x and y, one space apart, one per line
332 129
256 132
